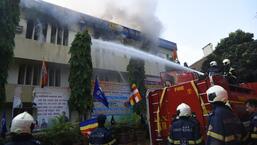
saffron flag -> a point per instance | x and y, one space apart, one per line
3 125
44 75
99 94
132 101
174 55
88 126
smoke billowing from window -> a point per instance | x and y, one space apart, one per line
139 14
64 18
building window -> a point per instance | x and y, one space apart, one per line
31 74
30 27
51 77
21 75
36 75
54 77
65 37
45 26
37 32
59 36
40 31
58 78
53 34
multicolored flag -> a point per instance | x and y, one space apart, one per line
88 126
99 94
3 125
136 93
135 96
44 75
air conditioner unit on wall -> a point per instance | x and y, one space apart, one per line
19 29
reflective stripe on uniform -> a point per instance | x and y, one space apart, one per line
230 138
215 135
176 142
254 135
170 140
199 140
109 143
222 138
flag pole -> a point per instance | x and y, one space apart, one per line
90 113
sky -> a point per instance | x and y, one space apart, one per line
192 24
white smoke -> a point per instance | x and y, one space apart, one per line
65 18
136 14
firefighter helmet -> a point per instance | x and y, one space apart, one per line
226 62
184 109
217 94
213 63
22 123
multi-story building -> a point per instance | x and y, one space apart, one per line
46 31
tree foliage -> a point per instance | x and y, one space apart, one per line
241 49
136 75
9 19
81 70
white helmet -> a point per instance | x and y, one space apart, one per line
213 63
226 61
217 94
22 123
184 109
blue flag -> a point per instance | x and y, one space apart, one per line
3 125
99 94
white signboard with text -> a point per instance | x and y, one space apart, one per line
50 103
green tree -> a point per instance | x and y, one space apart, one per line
136 75
241 49
9 19
81 69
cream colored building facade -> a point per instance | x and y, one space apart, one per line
38 40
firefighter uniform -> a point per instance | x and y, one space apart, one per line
253 130
101 136
185 131
224 128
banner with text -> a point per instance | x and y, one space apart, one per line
116 94
50 103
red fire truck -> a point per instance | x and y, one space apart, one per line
189 88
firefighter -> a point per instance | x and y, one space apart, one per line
251 107
224 127
101 135
214 69
21 129
229 72
185 130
